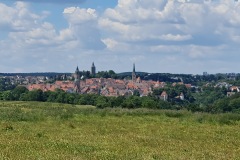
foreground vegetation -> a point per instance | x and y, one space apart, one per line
35 130
212 100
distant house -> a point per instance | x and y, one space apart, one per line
164 96
234 89
139 80
159 84
181 96
188 85
222 85
229 94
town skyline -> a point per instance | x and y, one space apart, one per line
90 70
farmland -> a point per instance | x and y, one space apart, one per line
37 130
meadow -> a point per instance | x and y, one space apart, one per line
40 130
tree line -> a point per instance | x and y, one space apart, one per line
210 100
22 94
5 84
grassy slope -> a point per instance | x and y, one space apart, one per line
113 134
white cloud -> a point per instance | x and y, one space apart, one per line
83 23
77 15
27 29
69 10
30 40
183 32
53 1
170 37
171 20
17 18
110 43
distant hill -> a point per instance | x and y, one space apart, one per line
130 73
163 77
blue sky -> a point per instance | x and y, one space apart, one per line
174 36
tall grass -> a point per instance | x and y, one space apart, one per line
39 111
33 130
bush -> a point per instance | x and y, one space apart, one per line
229 118
175 114
7 127
102 102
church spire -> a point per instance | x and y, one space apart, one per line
134 67
77 81
93 69
77 71
134 77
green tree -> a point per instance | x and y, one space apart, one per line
148 102
70 98
136 93
102 102
18 91
50 96
7 96
221 105
164 105
61 97
35 95
118 101
234 104
132 102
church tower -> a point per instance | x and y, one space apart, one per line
77 88
134 77
93 69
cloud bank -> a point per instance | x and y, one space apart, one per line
53 1
183 36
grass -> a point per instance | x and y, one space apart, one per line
33 130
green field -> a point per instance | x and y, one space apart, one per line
34 130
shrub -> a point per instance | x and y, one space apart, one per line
8 127
176 114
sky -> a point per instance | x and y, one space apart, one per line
159 36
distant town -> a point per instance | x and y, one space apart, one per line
108 83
